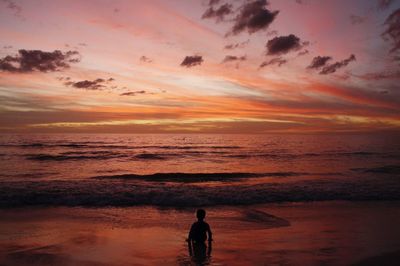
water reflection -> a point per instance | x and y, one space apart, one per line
200 253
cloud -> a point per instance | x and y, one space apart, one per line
213 2
303 52
218 13
384 4
230 58
391 74
63 78
274 61
17 9
145 59
236 45
272 33
335 66
36 60
97 84
253 16
133 93
354 19
191 61
392 32
319 61
284 44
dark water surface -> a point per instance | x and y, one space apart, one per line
190 170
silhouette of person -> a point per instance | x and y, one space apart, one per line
197 237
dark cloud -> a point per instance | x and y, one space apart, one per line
97 84
272 33
7 47
274 61
17 9
304 52
218 13
191 61
213 2
63 78
145 59
392 32
283 44
36 60
87 84
236 45
319 61
230 58
390 74
384 4
335 66
133 93
253 16
354 19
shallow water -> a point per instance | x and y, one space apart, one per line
190 170
325 233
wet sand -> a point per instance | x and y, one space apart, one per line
321 233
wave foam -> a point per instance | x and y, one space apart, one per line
98 193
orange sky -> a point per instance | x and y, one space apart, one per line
128 73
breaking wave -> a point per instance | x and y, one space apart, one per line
387 169
75 156
196 177
97 193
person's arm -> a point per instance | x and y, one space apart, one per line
209 248
190 248
190 234
209 234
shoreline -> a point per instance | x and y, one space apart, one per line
311 233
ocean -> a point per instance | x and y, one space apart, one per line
186 170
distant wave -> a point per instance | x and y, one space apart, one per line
301 155
267 219
149 156
106 154
64 157
387 169
104 145
196 177
95 193
97 155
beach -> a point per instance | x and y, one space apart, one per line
108 199
313 233
130 128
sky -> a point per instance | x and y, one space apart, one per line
199 66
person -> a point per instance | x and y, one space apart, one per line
198 236
199 230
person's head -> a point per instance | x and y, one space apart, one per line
200 214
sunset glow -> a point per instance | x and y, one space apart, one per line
199 66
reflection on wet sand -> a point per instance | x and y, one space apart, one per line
200 253
340 233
